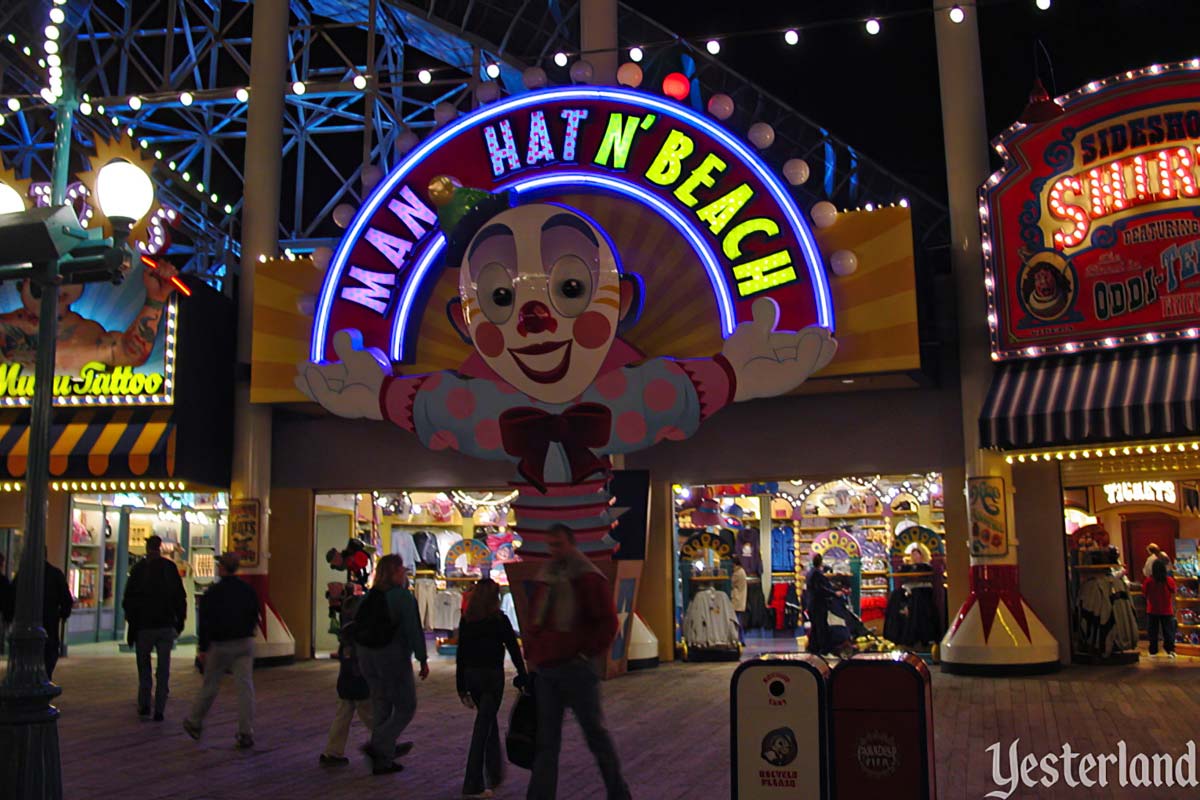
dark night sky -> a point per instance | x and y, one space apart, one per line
881 93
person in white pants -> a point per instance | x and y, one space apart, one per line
228 615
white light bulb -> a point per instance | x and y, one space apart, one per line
54 60
14 104
957 15
51 32
242 95
47 95
50 46
636 54
186 176
560 59
299 88
1044 5
713 46
493 71
185 98
135 102
213 197
10 199
57 16
228 208
873 27
199 187
792 37
425 76
360 82
124 191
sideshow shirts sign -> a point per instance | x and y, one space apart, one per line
1092 228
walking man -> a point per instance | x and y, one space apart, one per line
228 614
155 605
56 607
574 623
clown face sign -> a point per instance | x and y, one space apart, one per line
545 296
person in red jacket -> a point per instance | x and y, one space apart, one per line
574 623
1159 589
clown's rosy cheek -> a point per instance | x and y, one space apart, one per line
592 330
489 339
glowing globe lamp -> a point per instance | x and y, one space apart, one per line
676 85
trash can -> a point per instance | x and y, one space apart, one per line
779 719
881 728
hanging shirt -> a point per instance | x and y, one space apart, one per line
783 550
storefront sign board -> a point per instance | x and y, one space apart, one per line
245 530
1091 230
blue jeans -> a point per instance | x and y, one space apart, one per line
486 687
572 685
1164 623
159 641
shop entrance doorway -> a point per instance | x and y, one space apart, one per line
1141 530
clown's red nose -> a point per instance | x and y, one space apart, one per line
536 318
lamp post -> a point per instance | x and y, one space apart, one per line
49 247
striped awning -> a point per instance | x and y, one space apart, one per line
108 443
1136 393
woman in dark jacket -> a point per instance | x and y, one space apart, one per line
354 695
483 636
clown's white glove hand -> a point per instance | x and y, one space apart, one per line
349 387
768 362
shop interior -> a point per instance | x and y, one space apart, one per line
1109 527
107 537
447 539
882 539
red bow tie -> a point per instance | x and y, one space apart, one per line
528 432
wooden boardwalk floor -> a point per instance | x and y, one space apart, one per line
671 726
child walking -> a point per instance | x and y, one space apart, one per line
483 636
353 693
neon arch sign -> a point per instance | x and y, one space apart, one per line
734 214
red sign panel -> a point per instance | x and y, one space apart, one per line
1091 231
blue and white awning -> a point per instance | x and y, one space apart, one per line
1114 395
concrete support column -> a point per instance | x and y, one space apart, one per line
260 229
598 38
656 598
995 630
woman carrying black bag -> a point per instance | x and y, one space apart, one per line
483 636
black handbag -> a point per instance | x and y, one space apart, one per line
521 742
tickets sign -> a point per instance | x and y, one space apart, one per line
662 157
1091 230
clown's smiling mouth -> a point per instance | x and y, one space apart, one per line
542 355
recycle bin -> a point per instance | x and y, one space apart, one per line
779 719
881 728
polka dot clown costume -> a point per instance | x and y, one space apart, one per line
550 386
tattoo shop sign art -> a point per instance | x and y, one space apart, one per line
116 344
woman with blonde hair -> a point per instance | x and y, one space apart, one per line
483 636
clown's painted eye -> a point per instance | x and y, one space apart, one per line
570 286
494 288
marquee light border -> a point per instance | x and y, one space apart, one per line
990 268
669 108
164 398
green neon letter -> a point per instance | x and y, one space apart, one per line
732 244
764 273
665 168
719 212
701 176
618 138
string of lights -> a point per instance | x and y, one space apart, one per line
426 76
